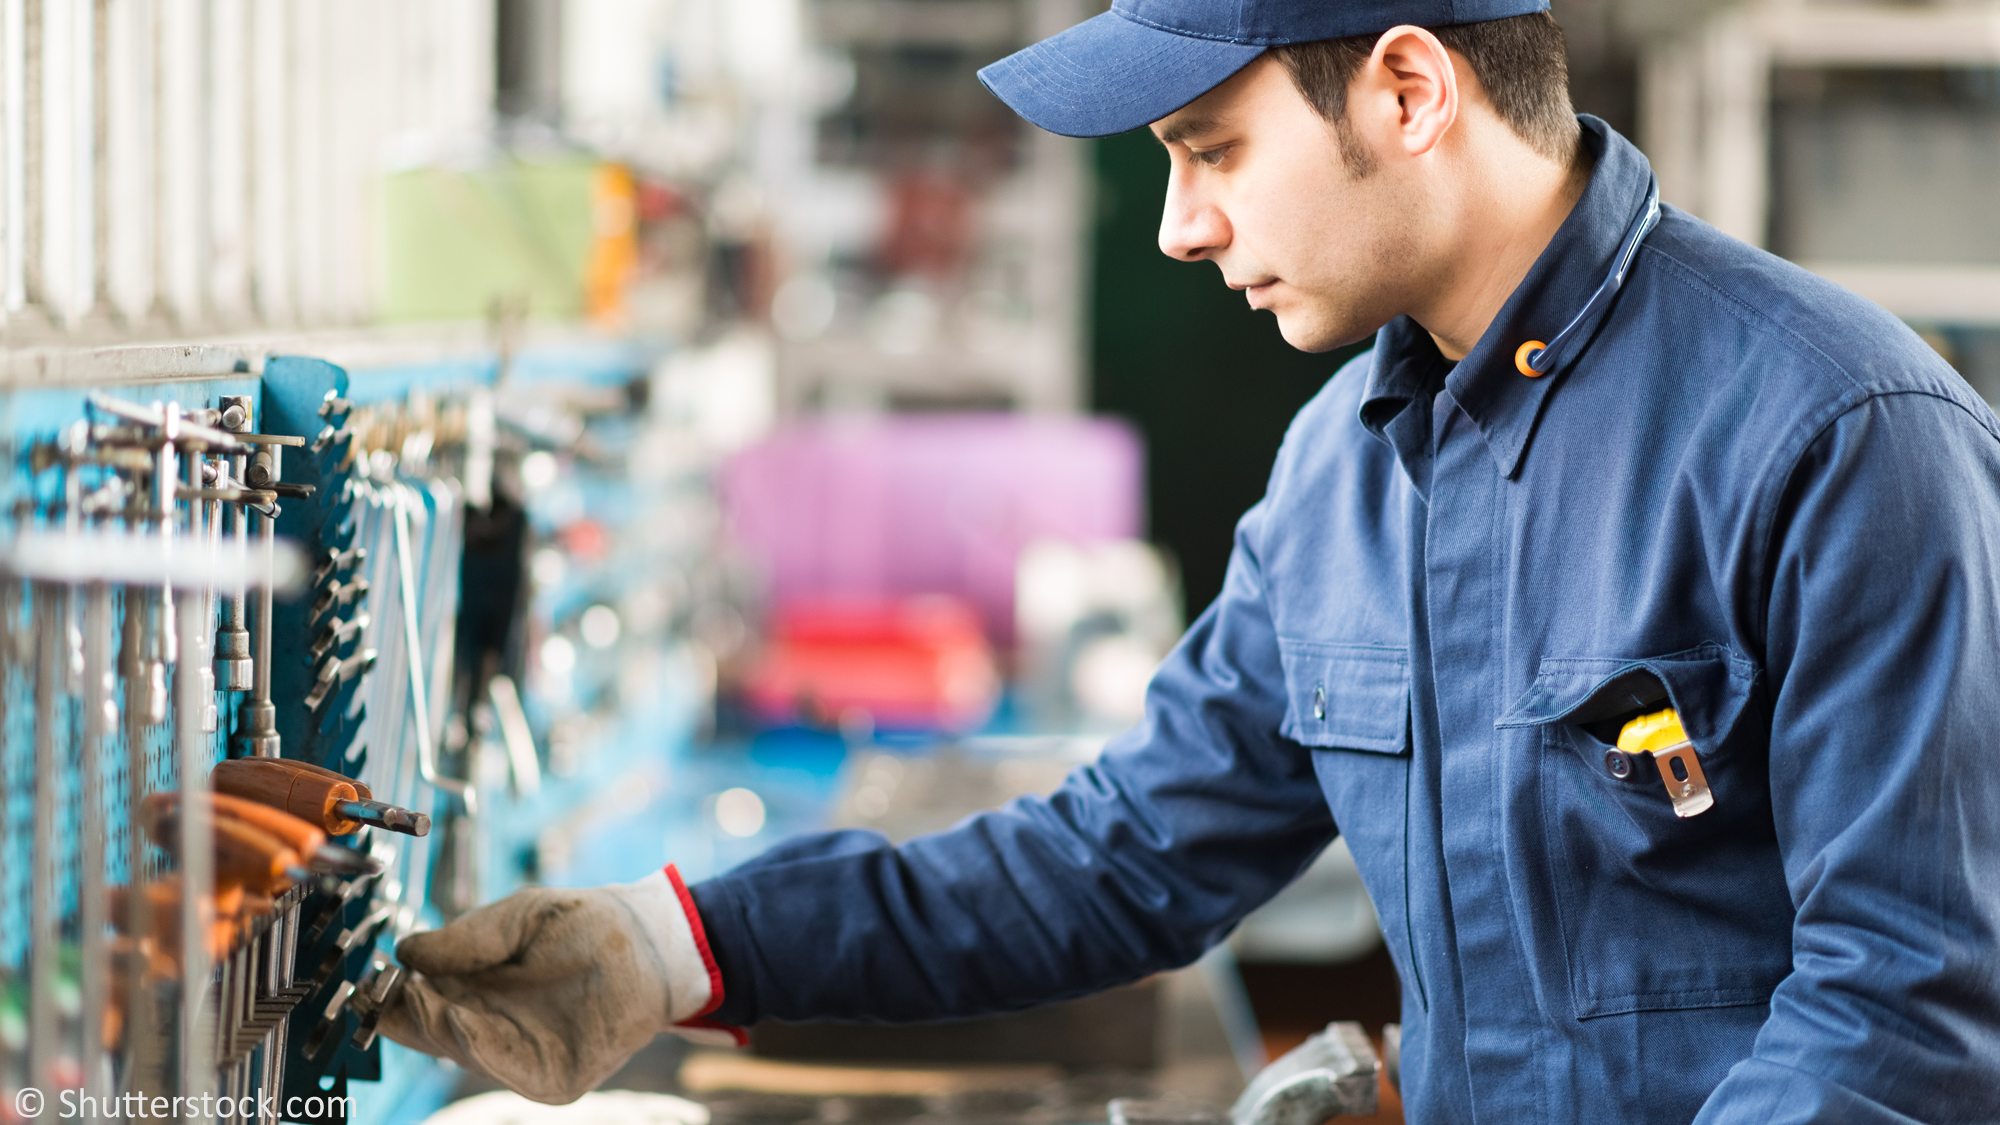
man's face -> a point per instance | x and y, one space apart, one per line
1260 185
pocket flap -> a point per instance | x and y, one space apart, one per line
1355 697
1707 684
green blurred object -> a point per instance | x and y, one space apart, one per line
457 239
13 1013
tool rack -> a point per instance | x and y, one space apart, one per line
251 566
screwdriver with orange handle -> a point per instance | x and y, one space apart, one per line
250 858
307 841
158 947
227 915
336 805
221 915
321 771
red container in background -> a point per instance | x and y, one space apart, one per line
917 663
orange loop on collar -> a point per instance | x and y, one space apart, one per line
1521 358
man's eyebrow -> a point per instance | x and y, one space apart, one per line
1186 127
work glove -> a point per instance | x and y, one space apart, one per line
550 991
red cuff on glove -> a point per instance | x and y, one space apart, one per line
700 1020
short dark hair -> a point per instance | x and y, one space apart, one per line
1521 61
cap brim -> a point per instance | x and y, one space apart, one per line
1108 74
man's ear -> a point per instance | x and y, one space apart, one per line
1409 87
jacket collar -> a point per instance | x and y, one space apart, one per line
1499 400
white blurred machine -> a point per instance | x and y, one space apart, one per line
1860 140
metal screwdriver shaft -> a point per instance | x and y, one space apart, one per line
383 815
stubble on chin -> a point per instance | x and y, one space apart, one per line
1317 330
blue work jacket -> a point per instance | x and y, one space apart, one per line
1752 495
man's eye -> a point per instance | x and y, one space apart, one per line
1210 157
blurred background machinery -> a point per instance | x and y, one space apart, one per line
1861 141
666 425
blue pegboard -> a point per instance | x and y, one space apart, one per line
652 737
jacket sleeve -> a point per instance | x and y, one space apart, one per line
1884 663
1138 863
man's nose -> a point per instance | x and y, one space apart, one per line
1191 227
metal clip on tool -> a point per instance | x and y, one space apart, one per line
1661 735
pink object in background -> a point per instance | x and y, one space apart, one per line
928 504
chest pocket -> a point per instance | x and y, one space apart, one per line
1659 912
1355 697
1349 705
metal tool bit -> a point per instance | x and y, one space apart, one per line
330 1020
371 995
330 912
337 633
366 996
350 939
392 817
333 673
339 595
337 561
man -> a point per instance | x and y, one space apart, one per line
1602 461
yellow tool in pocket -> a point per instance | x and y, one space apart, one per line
1661 735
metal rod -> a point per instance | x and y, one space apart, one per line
11 1060
96 730
44 929
523 766
259 718
144 1052
197 843
426 755
165 480
235 667
204 525
267 532
174 426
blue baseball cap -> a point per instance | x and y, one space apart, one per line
1144 59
